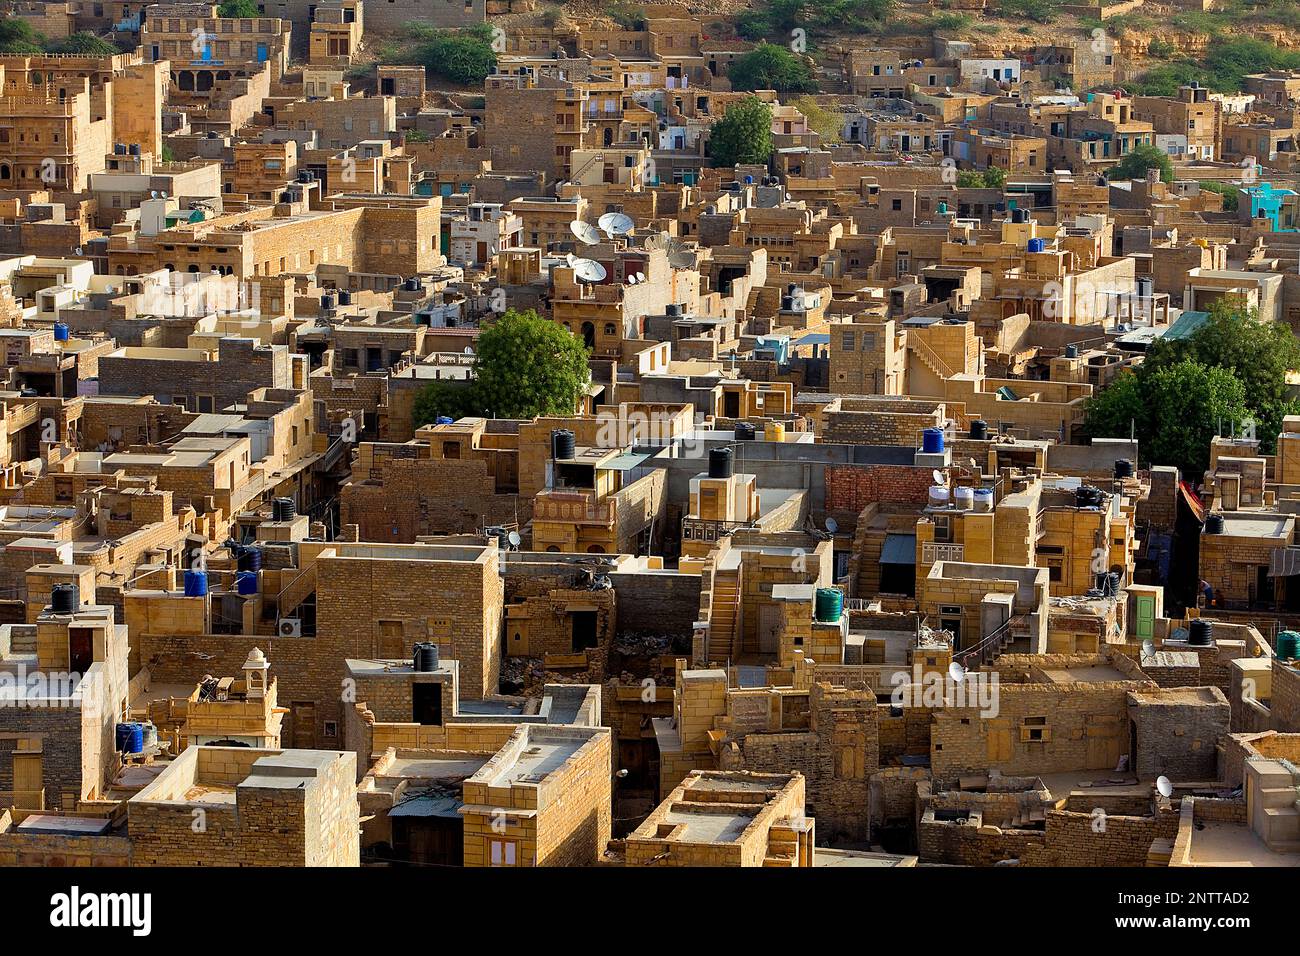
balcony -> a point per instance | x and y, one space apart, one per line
932 552
578 507
702 529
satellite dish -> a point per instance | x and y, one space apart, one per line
514 539
153 194
1148 648
570 259
937 475
468 350
631 278
1164 786
589 270
832 525
585 232
658 240
77 251
616 223
640 277
682 260
956 672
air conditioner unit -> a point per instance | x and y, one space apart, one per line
289 627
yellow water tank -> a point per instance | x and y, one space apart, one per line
774 431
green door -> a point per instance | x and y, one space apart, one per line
1145 607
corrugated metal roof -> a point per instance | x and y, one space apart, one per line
427 805
899 549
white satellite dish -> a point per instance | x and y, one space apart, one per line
1164 786
682 260
832 525
570 259
956 672
468 350
616 223
1148 648
937 475
585 232
640 277
153 194
514 539
658 240
589 270
77 251
630 278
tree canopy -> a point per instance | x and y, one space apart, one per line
524 366
1140 159
771 67
743 135
1228 376
84 43
464 57
238 8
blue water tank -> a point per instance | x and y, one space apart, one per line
196 583
250 559
60 332
246 582
443 420
130 738
932 441
1037 245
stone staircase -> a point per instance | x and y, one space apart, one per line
1277 800
724 616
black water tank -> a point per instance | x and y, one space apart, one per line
1200 633
744 431
1214 523
345 297
563 444
250 559
1086 496
426 657
326 303
283 509
1123 468
979 429
673 309
719 462
65 599
1072 351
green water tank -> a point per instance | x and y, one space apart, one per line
1288 645
829 605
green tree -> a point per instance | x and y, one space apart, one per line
743 135
771 67
442 397
1227 190
1189 403
84 43
527 366
464 57
991 178
238 8
524 366
1138 161
828 124
1258 354
1173 411
17 36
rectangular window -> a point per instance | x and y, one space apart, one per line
503 853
